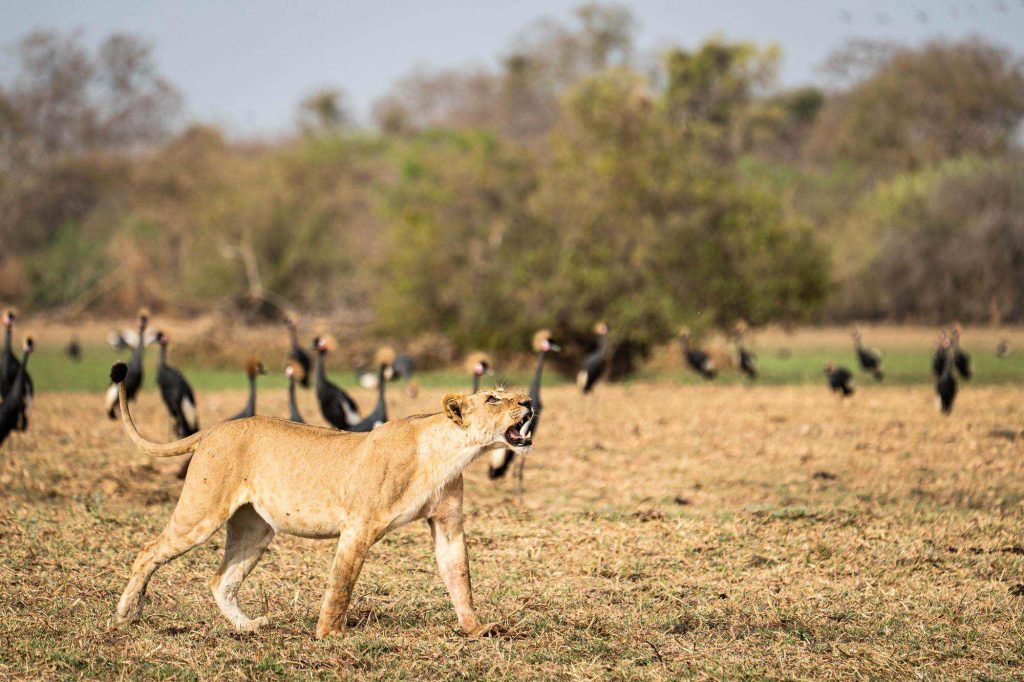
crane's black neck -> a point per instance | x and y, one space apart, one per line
251 405
602 344
320 376
292 404
292 335
381 380
140 347
7 339
163 355
535 384
476 382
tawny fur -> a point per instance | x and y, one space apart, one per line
264 475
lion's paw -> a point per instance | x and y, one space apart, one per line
486 630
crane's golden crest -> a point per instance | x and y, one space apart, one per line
384 356
541 340
478 362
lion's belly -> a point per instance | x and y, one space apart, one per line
306 519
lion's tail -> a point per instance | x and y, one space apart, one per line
179 447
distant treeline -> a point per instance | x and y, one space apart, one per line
578 179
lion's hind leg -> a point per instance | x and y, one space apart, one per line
248 537
182 533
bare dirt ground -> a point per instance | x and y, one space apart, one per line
666 532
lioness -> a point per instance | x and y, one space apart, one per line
264 475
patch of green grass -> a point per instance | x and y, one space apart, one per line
900 367
52 372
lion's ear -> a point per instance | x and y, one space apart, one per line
455 407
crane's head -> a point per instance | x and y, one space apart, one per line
28 346
829 368
162 338
385 357
478 364
143 317
254 368
601 329
320 344
9 316
543 343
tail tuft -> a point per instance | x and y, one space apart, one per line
118 372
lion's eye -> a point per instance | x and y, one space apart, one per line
492 399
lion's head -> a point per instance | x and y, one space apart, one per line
495 418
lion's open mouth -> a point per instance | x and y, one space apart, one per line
518 435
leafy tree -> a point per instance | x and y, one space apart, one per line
323 112
948 243
920 106
519 99
625 218
65 99
456 226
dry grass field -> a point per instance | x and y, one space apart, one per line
711 532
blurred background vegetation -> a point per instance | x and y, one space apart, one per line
576 181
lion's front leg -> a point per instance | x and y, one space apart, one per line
348 561
453 560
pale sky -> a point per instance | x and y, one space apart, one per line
246 64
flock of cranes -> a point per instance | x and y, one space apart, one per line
950 363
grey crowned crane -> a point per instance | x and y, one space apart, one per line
297 354
401 369
961 360
501 459
840 379
385 356
253 369
293 407
747 360
12 411
478 364
73 351
133 380
946 386
9 368
870 359
127 339
595 363
699 361
176 392
941 355
336 406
